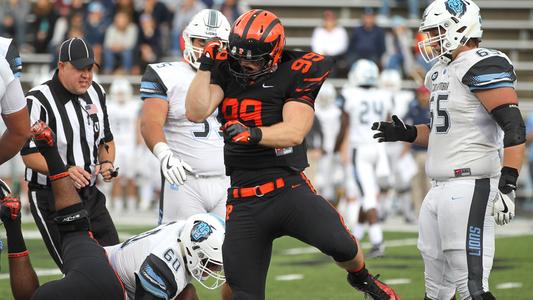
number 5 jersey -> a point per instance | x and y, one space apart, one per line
465 140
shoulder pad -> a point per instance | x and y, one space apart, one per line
156 278
494 71
151 84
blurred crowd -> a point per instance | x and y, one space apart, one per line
126 34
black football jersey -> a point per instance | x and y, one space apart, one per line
298 78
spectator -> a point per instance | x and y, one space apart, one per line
399 54
157 10
419 114
184 13
330 38
149 41
95 28
412 6
120 40
43 25
75 26
13 14
232 9
78 7
367 41
127 7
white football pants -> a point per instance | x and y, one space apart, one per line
456 237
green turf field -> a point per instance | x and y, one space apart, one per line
321 279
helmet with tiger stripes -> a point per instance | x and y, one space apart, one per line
258 37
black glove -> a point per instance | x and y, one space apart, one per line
211 49
394 131
237 132
508 179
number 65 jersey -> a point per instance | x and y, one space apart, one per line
153 259
465 140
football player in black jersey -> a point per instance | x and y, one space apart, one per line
265 97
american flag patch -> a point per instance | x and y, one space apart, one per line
91 109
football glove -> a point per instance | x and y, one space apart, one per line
239 133
504 208
9 209
394 131
173 167
211 49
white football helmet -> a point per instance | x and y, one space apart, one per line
327 95
201 239
206 24
121 90
364 72
454 22
390 80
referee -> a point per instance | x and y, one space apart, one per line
74 108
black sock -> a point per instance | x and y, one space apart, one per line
15 241
54 161
360 276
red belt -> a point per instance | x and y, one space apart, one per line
258 190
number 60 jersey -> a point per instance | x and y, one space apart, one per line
153 257
465 140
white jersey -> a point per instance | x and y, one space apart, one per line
123 123
364 107
465 140
199 144
154 256
11 95
330 124
401 100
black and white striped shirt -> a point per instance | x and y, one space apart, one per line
80 123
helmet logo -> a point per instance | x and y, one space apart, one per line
456 7
200 231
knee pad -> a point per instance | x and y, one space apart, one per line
73 218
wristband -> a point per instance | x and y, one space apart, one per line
19 254
59 176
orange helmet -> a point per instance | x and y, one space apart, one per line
256 36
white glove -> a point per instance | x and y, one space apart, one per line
4 189
173 167
503 210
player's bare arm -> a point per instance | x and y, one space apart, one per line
17 133
297 121
106 156
422 135
496 98
153 116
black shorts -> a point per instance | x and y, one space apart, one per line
252 223
88 274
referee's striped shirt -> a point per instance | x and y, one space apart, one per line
80 123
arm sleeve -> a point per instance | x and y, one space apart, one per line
156 278
490 73
307 85
152 86
37 112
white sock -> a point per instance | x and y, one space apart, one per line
132 203
359 231
118 204
375 234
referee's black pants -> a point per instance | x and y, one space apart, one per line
42 207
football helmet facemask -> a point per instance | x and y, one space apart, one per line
448 24
201 239
206 24
257 38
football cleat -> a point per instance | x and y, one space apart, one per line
374 288
43 136
9 209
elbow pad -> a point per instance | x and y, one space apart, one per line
510 119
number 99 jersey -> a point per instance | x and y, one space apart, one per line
465 140
298 78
